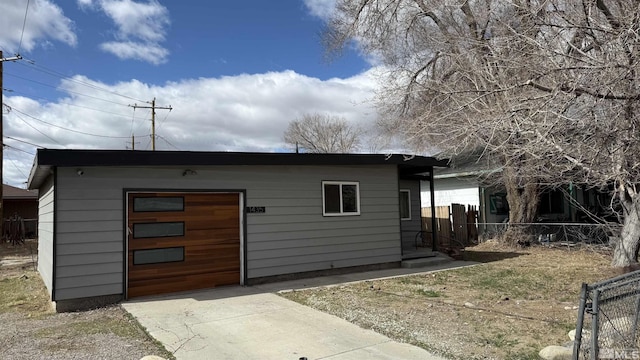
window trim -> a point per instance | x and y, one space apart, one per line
408 203
341 213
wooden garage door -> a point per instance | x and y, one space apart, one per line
182 241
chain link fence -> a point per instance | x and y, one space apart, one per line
608 319
550 234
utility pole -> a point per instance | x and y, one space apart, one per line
153 108
2 60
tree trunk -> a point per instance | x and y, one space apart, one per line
625 253
523 207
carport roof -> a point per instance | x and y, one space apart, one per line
46 159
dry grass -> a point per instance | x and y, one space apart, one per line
27 317
21 288
509 307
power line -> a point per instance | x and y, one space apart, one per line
16 166
167 141
69 91
36 129
67 129
148 142
63 76
67 104
18 149
161 122
24 141
24 23
140 123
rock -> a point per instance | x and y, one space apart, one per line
152 357
568 344
567 307
469 305
555 352
586 334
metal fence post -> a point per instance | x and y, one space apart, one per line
578 339
594 325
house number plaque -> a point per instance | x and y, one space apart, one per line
256 210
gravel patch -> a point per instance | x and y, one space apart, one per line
80 335
31 330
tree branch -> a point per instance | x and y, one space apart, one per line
582 91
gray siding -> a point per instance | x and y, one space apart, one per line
410 228
45 233
292 236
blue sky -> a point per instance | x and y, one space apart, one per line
235 73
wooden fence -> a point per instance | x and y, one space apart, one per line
456 227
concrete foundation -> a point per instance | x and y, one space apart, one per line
312 274
87 303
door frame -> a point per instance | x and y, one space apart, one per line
242 202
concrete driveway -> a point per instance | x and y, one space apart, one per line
254 323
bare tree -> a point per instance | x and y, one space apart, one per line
548 87
447 78
319 133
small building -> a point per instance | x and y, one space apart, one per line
476 183
118 224
23 204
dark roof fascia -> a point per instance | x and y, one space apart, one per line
54 157
47 158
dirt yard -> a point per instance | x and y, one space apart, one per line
31 330
515 303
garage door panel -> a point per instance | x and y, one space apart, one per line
203 199
221 257
212 236
207 255
169 270
217 233
182 283
212 221
203 244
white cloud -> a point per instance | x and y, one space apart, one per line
45 21
321 8
148 52
85 3
140 28
248 112
144 21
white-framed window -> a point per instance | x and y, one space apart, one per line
340 198
405 205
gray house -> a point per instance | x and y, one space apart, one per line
120 224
